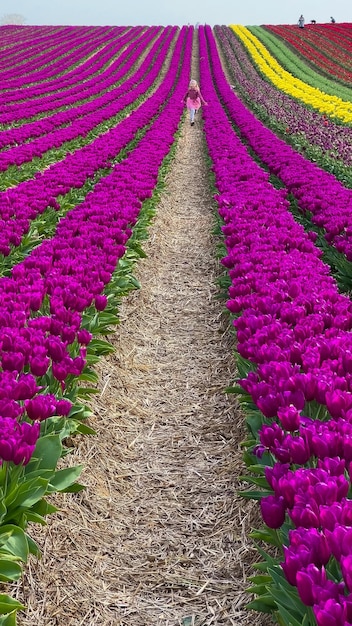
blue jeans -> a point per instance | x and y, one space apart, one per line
191 114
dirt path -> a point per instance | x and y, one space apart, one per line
159 538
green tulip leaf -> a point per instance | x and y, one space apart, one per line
82 392
27 494
88 377
33 547
255 495
8 604
85 430
288 619
64 478
260 579
260 481
9 570
35 518
256 469
42 507
13 539
258 590
92 359
265 604
75 488
100 347
8 620
48 450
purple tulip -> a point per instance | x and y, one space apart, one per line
273 474
39 365
308 581
36 301
337 402
339 541
56 349
26 387
346 568
294 398
271 435
76 365
6 450
30 432
84 337
295 560
289 417
63 407
17 441
282 452
305 515
269 405
314 540
100 302
298 449
60 371
273 511
13 361
10 408
41 407
286 487
333 466
22 454
329 613
68 334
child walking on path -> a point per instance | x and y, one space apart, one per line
193 99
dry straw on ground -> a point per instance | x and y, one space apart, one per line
160 536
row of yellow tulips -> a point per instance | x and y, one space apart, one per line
286 82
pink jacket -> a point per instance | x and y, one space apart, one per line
193 99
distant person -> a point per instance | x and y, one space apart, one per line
313 21
301 21
193 99
332 20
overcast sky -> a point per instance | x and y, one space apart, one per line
176 12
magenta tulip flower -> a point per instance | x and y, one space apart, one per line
273 511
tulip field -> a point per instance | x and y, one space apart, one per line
89 121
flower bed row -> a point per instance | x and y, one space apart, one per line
316 191
331 105
19 205
58 61
81 70
19 48
39 104
328 53
288 59
52 305
29 39
86 117
321 139
294 341
85 76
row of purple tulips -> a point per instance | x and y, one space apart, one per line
84 63
49 306
42 300
87 81
296 119
317 192
294 332
85 117
54 62
21 204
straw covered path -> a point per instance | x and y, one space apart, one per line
159 537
